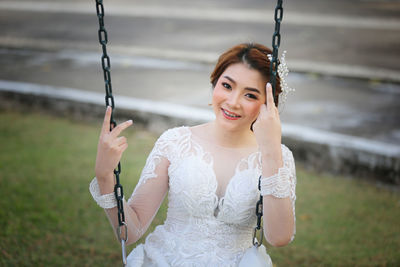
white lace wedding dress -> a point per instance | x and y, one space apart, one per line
212 194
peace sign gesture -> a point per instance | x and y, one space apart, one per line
110 147
267 127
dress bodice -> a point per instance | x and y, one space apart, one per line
193 185
201 229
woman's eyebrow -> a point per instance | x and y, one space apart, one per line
247 88
253 90
229 78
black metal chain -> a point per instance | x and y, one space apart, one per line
105 63
259 214
276 41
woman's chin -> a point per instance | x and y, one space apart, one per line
233 125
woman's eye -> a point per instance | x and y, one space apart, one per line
252 96
226 85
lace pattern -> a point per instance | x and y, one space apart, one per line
277 185
283 184
107 201
198 223
162 149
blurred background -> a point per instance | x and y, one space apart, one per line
344 55
343 118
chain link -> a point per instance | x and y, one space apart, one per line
259 214
276 42
109 99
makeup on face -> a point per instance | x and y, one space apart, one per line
238 95
230 115
250 89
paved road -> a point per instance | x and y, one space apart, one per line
164 50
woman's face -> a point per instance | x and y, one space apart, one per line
237 97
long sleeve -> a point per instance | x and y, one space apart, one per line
149 193
152 187
289 165
279 193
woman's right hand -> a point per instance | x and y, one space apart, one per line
110 147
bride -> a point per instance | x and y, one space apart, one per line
210 172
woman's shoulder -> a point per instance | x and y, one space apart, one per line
174 133
178 132
285 148
202 131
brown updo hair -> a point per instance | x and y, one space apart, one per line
251 54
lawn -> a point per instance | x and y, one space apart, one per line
47 216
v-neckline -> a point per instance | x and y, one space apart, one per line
204 152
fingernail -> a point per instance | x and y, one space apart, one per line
130 121
268 84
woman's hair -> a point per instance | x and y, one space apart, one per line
251 54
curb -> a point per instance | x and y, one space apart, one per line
316 149
206 57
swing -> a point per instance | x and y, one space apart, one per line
109 100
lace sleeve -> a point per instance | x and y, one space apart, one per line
152 187
148 195
283 184
160 152
289 165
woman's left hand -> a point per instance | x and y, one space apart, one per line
267 127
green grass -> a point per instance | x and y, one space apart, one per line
47 216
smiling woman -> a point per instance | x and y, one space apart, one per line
238 95
253 55
211 174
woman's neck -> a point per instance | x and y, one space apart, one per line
231 138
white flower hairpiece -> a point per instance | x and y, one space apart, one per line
283 71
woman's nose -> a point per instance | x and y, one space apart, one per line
234 100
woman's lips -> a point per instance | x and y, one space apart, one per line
230 115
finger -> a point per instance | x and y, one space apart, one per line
121 140
270 97
106 123
276 111
263 108
123 147
117 130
